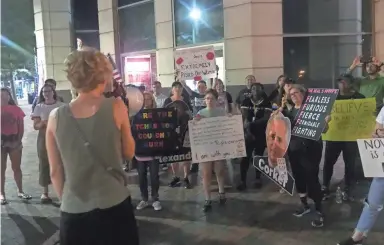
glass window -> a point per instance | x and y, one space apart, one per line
137 27
198 23
85 15
91 39
336 16
318 61
121 3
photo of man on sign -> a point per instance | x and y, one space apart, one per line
278 135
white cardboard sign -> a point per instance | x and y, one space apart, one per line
196 63
217 138
372 156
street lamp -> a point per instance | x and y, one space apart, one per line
195 15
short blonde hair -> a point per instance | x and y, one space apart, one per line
87 68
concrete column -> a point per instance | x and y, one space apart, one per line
53 40
252 45
350 20
164 42
379 29
108 27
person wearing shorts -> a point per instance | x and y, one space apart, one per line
12 131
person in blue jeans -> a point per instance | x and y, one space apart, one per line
148 162
374 202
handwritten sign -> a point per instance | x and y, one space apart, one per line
217 138
154 131
372 156
279 175
310 120
196 63
351 120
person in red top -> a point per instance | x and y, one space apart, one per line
12 131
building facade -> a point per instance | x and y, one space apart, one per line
309 40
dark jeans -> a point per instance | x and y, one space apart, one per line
246 161
115 225
143 180
332 152
305 169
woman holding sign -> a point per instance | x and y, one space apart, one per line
212 110
375 201
305 157
148 162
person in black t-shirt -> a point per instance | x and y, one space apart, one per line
334 148
305 156
177 91
245 92
256 111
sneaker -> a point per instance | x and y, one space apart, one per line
241 187
142 205
303 210
195 168
326 193
156 206
207 206
175 182
319 221
350 241
282 191
346 195
187 184
258 184
222 198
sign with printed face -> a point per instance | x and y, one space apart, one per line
310 120
279 174
196 63
278 136
154 131
351 120
372 156
217 138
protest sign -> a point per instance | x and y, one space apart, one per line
196 63
279 175
175 158
154 131
217 138
278 136
351 120
310 120
372 157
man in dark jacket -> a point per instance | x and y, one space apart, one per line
256 111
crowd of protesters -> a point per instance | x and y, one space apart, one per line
95 201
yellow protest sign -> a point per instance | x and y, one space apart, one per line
351 120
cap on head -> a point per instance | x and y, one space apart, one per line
348 79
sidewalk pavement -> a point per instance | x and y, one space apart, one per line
254 217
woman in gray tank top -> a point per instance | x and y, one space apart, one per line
87 141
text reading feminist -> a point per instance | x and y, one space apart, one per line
154 130
196 63
310 120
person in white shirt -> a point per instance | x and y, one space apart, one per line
159 97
